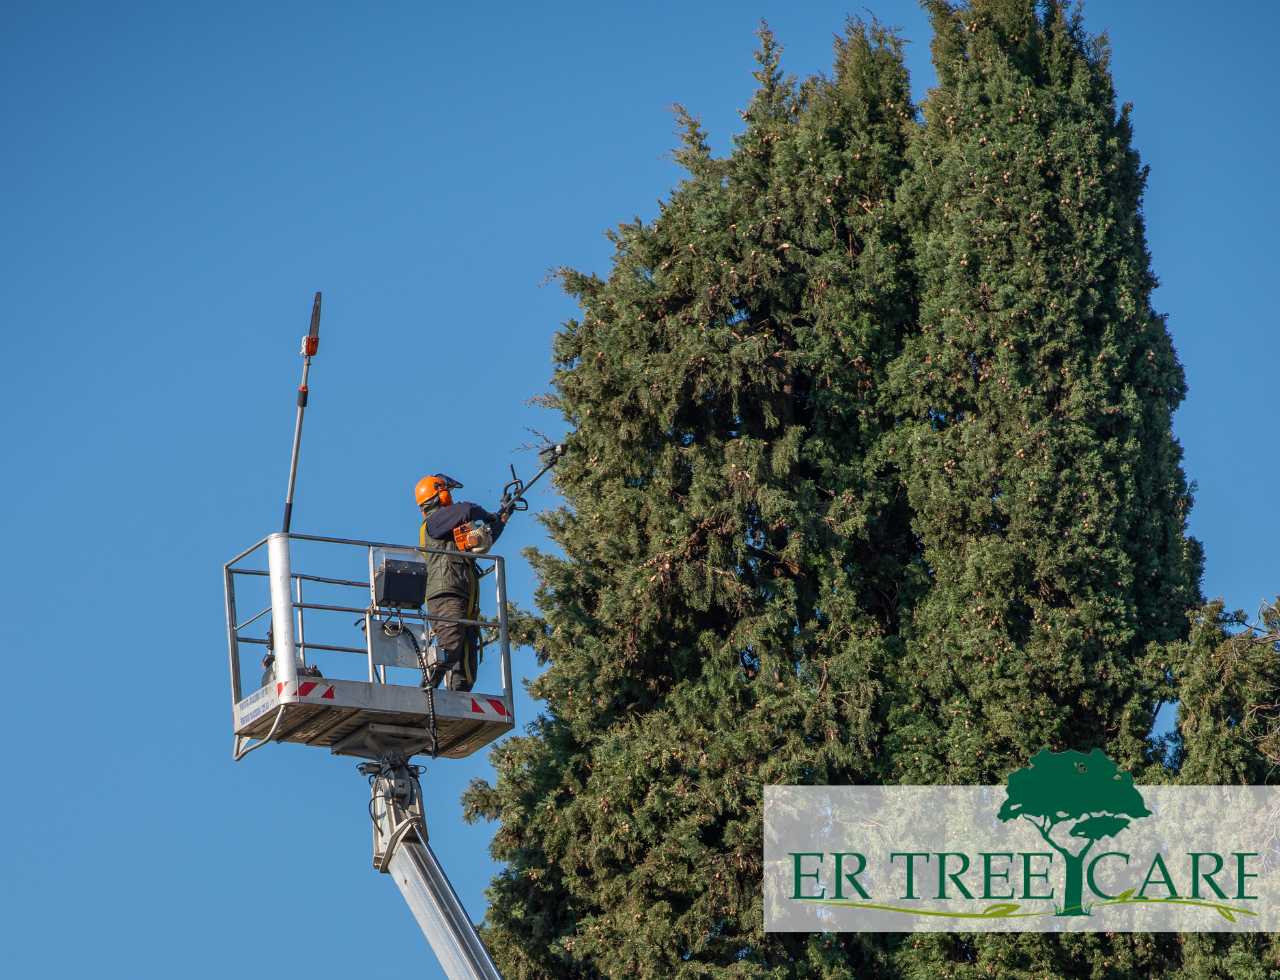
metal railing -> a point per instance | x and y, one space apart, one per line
287 609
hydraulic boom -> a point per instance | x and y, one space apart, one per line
400 849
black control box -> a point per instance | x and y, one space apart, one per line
399 580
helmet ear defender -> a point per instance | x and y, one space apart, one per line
435 489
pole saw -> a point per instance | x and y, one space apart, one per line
310 345
513 493
477 536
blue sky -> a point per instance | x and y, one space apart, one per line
178 179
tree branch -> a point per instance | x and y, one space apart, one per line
1049 840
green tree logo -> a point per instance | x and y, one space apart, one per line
1086 794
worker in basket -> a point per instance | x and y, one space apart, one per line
453 583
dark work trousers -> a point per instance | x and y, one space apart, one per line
456 643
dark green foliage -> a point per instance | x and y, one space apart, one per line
871 479
1036 445
734 555
1037 450
1227 681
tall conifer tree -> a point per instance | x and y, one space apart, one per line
1225 677
872 479
733 558
1036 446
1036 395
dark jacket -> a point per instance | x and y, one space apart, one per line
447 575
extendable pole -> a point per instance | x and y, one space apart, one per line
513 493
310 344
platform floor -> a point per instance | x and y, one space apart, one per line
344 715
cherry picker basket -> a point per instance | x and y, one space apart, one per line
384 710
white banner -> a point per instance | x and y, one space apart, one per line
1056 851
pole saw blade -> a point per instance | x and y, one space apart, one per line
311 342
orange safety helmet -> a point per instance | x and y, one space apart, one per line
435 488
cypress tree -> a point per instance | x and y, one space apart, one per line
1037 452
1036 395
734 558
872 479
1225 676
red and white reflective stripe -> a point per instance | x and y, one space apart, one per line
495 707
306 689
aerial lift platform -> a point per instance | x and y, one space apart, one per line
386 714
373 718
358 717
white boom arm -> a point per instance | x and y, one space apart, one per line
400 849
440 915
